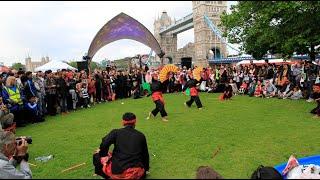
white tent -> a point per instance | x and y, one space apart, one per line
55 66
275 61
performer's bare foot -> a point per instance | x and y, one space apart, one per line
200 108
165 119
316 116
150 114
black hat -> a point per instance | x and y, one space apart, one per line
266 173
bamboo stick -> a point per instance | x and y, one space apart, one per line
73 167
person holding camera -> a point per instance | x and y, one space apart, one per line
13 152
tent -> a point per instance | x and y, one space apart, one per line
55 66
261 62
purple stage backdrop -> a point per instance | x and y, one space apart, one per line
123 26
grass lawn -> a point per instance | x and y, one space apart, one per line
249 131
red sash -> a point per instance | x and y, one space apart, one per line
130 173
193 91
157 96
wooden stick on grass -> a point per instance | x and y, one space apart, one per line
216 152
32 164
73 167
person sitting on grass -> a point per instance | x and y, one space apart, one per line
252 88
269 90
258 89
243 88
316 95
206 172
297 94
286 90
227 93
130 156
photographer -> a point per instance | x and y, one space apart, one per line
13 153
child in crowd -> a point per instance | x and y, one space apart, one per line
252 88
33 111
297 94
243 88
258 90
85 95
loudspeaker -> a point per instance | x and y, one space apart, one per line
83 65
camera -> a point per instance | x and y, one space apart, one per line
19 140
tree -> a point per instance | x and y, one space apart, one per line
94 65
104 63
73 64
17 66
282 27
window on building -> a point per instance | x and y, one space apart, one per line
219 2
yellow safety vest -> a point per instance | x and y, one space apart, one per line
14 96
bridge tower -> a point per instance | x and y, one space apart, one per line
168 41
204 39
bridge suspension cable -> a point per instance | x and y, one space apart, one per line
217 32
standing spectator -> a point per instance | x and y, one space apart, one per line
92 89
41 92
98 85
50 86
85 95
62 90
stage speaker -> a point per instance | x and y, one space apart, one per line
83 65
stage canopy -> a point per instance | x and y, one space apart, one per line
54 66
123 26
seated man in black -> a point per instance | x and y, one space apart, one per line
130 156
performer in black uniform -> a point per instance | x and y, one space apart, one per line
157 99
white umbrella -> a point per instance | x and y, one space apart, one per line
55 66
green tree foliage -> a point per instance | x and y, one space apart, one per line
278 27
73 64
94 65
17 66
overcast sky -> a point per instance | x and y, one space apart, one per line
64 30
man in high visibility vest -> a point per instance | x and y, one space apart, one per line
12 96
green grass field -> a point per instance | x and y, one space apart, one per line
249 131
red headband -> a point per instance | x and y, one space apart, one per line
131 122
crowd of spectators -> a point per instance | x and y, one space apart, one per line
28 97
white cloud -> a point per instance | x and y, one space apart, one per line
64 30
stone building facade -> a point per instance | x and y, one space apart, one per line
204 38
31 65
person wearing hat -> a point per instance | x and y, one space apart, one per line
130 156
156 89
